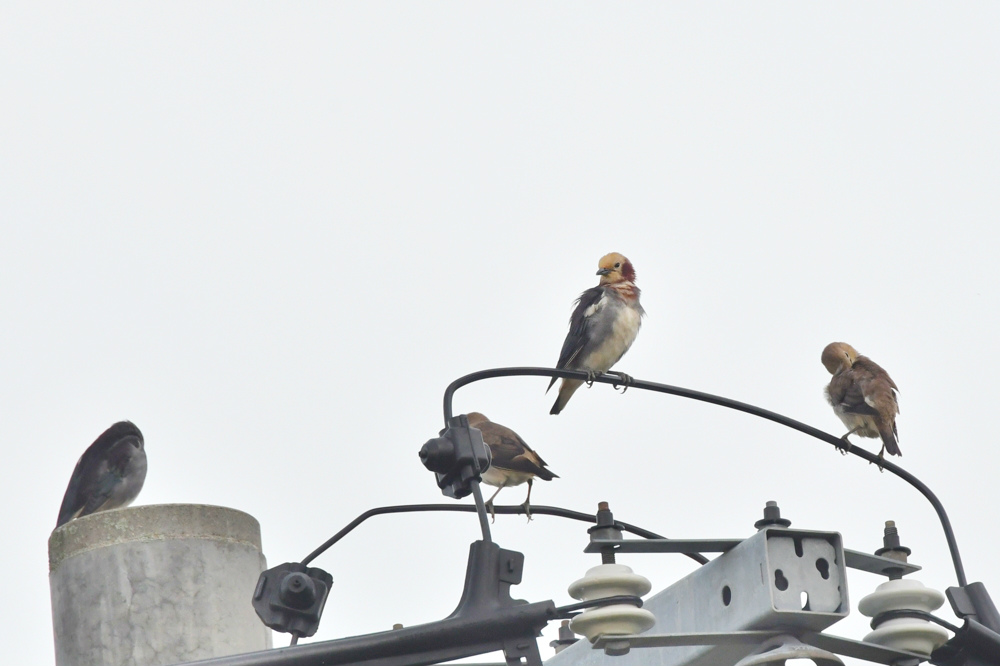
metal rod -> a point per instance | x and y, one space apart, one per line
730 404
484 523
536 510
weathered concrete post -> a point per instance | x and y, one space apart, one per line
155 585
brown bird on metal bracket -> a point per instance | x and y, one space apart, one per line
513 463
863 396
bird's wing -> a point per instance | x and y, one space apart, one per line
73 500
98 471
509 451
846 390
590 303
877 387
99 491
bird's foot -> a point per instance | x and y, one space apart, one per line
881 459
591 376
845 445
527 509
626 381
492 510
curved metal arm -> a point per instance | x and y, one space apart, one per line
731 404
539 510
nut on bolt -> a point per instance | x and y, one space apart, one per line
605 527
891 546
772 516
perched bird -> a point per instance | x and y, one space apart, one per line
863 396
108 475
513 463
602 328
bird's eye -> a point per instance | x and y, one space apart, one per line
618 264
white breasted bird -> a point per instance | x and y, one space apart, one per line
862 395
109 474
602 328
513 461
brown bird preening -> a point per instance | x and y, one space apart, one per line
513 461
862 395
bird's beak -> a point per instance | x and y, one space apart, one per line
603 271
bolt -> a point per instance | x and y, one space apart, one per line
566 637
893 549
605 528
890 536
772 516
397 626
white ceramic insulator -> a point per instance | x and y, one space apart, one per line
608 580
906 633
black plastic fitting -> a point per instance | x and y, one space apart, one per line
457 457
290 598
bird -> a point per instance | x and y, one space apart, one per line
109 474
513 461
863 396
604 323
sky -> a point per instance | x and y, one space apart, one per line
271 234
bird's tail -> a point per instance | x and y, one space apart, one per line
566 391
890 438
546 475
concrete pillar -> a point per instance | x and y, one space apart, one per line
155 585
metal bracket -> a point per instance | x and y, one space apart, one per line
836 644
778 581
876 564
854 559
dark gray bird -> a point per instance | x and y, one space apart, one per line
602 327
863 395
109 474
513 463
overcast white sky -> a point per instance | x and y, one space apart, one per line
271 234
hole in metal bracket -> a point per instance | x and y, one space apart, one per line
780 581
823 567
